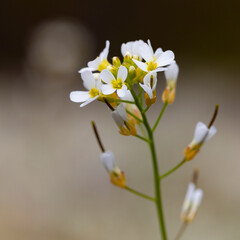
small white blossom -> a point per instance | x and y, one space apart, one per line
153 60
100 62
203 133
117 176
113 84
149 83
191 203
108 160
132 48
92 85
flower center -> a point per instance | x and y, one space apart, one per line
94 92
103 65
152 65
117 84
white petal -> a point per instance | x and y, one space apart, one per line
104 54
171 73
128 96
107 76
88 101
86 69
121 92
141 65
94 64
188 197
125 48
88 80
122 111
122 73
211 132
119 115
108 161
158 52
196 201
201 132
147 89
165 58
146 52
79 96
107 89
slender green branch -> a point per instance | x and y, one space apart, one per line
140 95
173 169
146 109
140 194
134 116
120 100
142 138
155 170
160 116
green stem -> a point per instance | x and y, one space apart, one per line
142 138
155 171
134 116
173 169
146 109
120 100
160 116
139 194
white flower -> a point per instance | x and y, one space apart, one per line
108 160
114 84
149 83
100 62
126 126
203 133
90 83
191 203
132 48
153 60
117 176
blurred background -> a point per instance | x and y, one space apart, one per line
52 184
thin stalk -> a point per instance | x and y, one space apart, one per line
173 169
146 109
181 230
120 100
160 116
142 138
139 194
155 171
134 116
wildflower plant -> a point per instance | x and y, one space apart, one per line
128 87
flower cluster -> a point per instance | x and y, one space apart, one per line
113 83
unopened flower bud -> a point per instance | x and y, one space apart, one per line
132 72
116 62
171 75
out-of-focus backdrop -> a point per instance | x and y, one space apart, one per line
52 184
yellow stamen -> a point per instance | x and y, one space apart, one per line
152 65
103 65
94 92
117 84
